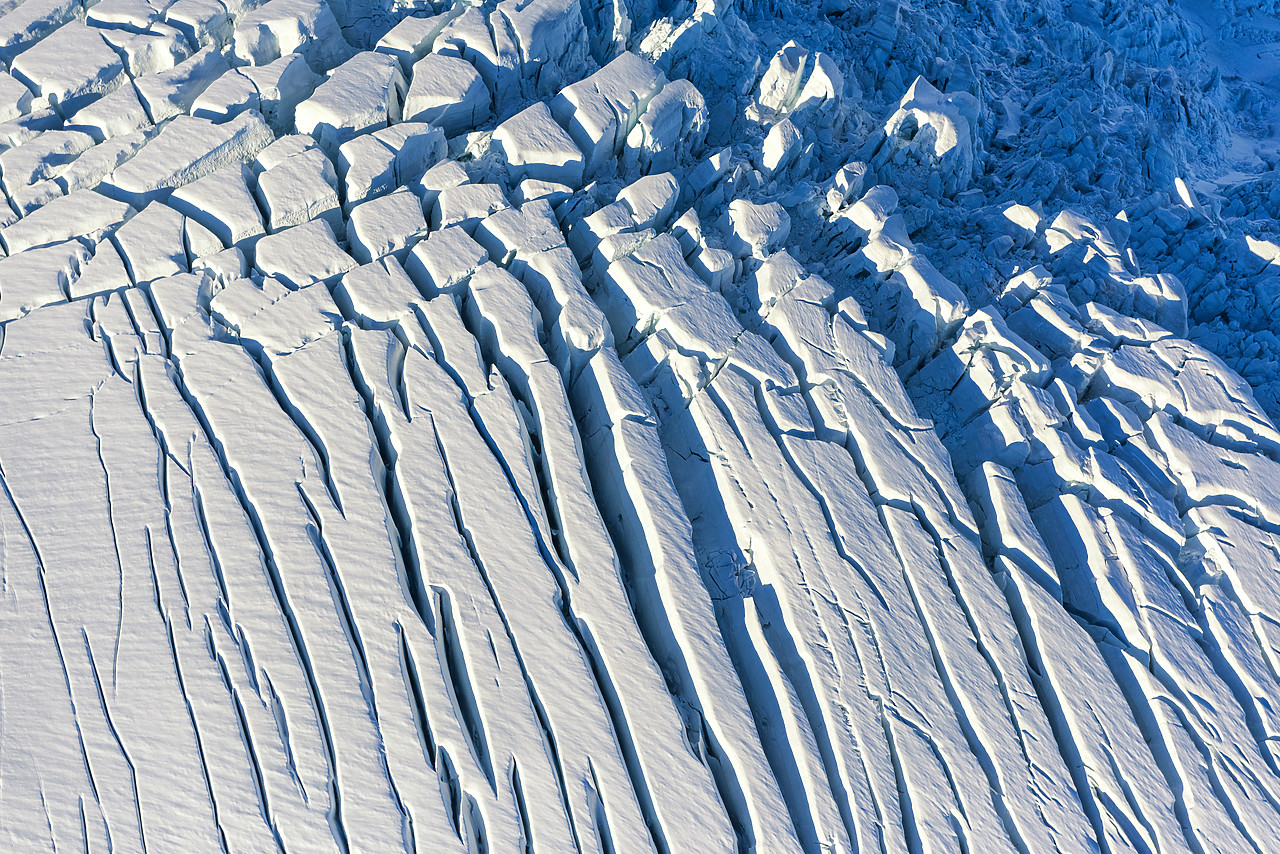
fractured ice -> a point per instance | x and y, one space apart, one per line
552 426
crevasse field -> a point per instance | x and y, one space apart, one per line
603 426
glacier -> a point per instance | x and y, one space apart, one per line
663 426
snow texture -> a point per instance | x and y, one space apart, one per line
620 426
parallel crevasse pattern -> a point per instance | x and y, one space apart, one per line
439 447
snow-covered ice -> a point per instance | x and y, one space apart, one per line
623 426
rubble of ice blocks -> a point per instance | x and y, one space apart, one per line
547 426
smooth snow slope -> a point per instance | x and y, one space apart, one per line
544 426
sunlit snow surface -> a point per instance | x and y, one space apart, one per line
557 426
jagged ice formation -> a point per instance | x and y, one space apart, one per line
639 426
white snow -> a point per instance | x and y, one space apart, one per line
362 94
534 146
939 126
638 427
447 92
298 189
280 27
601 110
302 254
184 151
68 86
385 225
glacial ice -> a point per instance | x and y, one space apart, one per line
631 426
